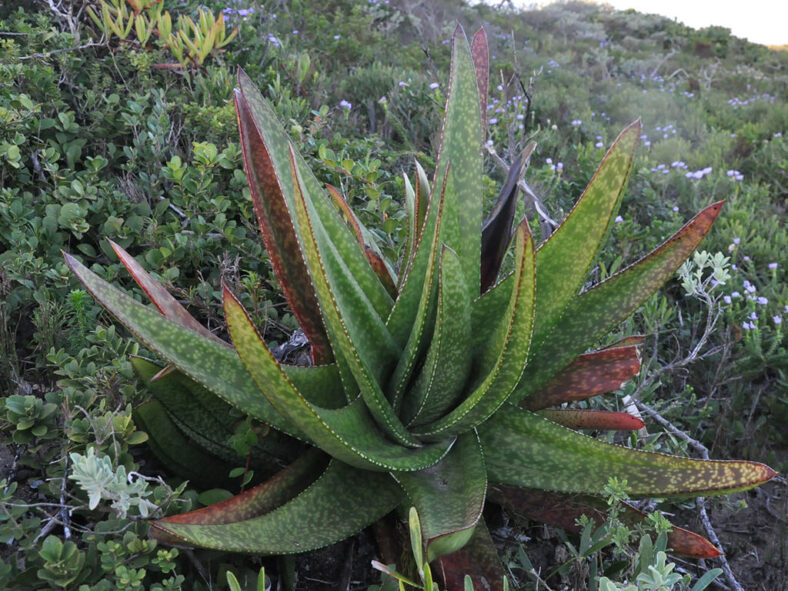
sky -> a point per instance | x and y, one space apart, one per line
760 21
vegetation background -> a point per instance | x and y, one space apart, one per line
103 137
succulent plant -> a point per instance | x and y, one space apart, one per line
431 385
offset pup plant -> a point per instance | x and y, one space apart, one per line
431 385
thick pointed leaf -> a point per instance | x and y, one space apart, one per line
563 510
160 297
565 258
274 218
523 449
509 350
497 228
478 559
176 451
340 503
598 310
461 144
587 376
349 434
261 499
379 264
448 359
209 422
215 366
361 341
593 419
448 496
275 164
481 63
419 324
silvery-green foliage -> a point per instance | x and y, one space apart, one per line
692 272
97 477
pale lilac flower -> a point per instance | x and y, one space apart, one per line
336 37
727 299
499 87
345 104
753 316
402 83
748 326
746 259
675 208
576 122
549 161
735 294
737 241
777 319
772 265
295 31
598 145
434 85
619 219
560 165
763 301
492 121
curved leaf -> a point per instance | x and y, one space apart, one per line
525 450
564 259
215 366
596 311
338 504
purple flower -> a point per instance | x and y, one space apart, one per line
402 83
777 319
295 31
336 37
598 145
772 265
675 208
492 121
560 165
727 299
735 294
763 301
549 161
748 326
737 241
753 316
618 219
576 122
434 85
345 104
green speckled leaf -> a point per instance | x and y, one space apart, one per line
565 258
509 348
215 366
340 503
448 359
349 434
523 449
420 323
598 310
362 343
448 496
261 499
461 144
481 62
